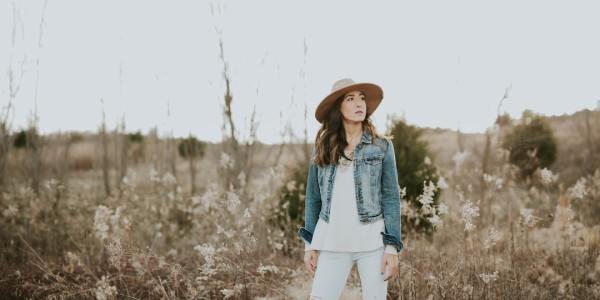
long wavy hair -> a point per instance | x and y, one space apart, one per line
330 141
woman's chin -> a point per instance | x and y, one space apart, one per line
355 120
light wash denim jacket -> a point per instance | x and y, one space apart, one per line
376 186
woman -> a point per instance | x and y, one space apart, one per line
352 204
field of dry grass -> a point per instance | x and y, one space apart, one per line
151 238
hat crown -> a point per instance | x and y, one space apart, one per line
342 83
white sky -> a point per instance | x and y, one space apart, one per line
440 63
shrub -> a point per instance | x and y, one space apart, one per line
415 172
287 214
191 147
136 137
531 144
22 139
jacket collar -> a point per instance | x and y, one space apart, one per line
366 137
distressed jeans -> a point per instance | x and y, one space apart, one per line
333 269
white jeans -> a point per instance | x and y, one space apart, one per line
333 269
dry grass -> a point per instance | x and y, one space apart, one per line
153 239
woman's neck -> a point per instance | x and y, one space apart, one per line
353 132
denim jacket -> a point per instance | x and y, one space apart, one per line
376 186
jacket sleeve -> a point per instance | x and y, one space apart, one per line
390 191
312 202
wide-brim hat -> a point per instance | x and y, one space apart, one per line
373 96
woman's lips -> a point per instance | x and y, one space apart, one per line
359 112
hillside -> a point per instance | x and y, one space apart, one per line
577 143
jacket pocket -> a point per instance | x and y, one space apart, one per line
374 160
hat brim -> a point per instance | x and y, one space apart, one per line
373 97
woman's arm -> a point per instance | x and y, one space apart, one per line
390 191
312 202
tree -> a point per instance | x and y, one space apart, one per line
136 137
415 170
21 138
531 144
191 148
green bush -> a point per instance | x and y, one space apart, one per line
136 137
415 167
287 213
191 147
292 194
531 144
25 138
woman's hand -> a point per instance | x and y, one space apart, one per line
389 261
310 260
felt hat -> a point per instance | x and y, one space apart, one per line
373 96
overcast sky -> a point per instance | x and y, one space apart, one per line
440 63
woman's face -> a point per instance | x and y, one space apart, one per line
354 107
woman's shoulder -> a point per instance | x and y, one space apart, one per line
382 140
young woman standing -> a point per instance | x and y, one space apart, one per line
352 204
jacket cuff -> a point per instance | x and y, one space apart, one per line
389 239
305 235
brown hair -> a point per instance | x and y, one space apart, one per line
331 138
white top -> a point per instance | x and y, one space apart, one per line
345 232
